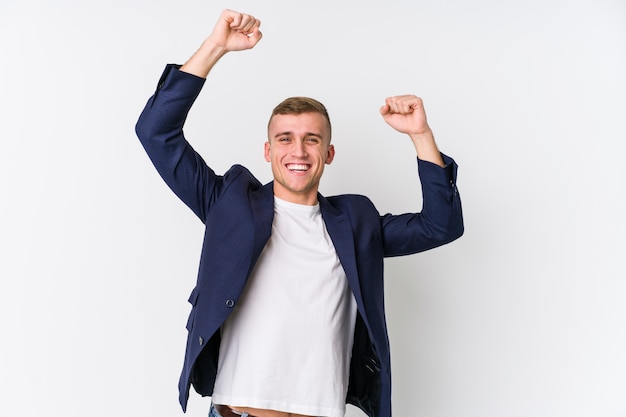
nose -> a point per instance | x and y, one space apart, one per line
298 149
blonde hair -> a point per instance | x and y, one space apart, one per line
299 105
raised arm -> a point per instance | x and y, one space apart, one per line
233 31
440 220
406 114
160 126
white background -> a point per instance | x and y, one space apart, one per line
523 316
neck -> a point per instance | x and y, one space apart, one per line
306 199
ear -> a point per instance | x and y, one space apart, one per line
267 151
330 154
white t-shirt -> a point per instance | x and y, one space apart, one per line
287 345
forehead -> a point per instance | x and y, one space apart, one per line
298 124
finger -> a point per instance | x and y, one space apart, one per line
233 18
404 104
417 104
244 23
407 106
392 104
247 23
256 35
395 105
254 28
400 105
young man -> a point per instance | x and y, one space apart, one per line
288 313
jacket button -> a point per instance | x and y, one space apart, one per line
200 340
230 303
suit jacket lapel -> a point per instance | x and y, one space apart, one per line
341 234
262 205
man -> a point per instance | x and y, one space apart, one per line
288 315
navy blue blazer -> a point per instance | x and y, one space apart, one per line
237 211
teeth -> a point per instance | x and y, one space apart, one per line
297 167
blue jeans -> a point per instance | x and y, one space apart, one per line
214 413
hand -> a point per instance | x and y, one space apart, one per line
233 31
405 114
236 31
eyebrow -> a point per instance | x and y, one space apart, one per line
317 135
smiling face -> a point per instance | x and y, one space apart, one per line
298 147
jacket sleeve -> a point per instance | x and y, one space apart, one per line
160 131
441 218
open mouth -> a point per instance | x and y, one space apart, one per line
298 167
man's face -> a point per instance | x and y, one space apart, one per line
298 147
